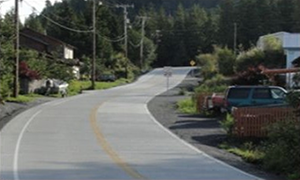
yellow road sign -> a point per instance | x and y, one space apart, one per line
192 63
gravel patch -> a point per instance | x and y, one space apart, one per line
202 132
10 110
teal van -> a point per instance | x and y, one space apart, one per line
241 96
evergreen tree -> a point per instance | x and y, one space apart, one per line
228 17
34 23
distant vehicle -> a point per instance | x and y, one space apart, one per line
241 96
107 77
54 86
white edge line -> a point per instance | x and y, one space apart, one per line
193 147
16 154
197 150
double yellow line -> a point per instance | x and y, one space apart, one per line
108 149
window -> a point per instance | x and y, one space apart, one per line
239 93
277 93
261 93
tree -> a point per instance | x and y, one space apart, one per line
34 23
226 60
7 54
209 65
195 38
228 17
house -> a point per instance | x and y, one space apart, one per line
291 46
52 47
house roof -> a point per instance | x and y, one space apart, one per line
31 33
289 40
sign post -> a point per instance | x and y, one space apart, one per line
193 63
168 74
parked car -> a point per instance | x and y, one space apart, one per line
241 96
107 77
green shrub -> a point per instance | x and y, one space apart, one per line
250 58
209 65
21 99
226 60
282 153
227 124
187 106
6 86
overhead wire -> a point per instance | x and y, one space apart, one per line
56 23
135 45
61 18
117 39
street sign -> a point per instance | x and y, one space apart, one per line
167 71
192 63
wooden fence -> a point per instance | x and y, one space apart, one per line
252 122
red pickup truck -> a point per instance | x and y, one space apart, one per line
215 102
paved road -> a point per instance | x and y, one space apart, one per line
107 134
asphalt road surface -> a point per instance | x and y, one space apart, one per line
105 135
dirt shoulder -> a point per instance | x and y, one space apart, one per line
9 110
202 132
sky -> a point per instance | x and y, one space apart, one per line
26 7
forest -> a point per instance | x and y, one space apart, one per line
171 32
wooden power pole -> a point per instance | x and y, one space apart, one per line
17 42
125 7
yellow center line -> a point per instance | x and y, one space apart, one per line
109 150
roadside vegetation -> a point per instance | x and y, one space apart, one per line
187 106
279 151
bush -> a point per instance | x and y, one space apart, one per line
226 60
252 76
282 153
187 106
252 58
6 86
209 65
216 81
227 124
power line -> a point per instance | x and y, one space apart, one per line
58 24
111 40
117 39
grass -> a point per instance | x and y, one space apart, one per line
187 106
23 98
248 151
75 87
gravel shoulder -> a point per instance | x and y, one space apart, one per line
10 110
202 132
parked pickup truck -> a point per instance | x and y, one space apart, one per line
215 102
241 96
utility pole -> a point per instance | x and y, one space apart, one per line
144 19
94 46
0 53
125 7
235 39
17 42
